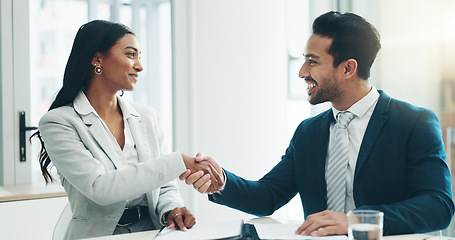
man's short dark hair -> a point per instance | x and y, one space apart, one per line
353 37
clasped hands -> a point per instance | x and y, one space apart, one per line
203 172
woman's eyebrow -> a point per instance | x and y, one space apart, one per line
130 47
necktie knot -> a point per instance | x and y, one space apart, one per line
344 118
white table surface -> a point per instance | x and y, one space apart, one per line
148 235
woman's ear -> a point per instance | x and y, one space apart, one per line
96 59
350 67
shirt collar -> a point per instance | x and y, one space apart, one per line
361 107
127 110
83 106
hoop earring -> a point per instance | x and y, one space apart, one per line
98 70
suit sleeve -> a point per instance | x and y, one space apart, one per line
69 153
429 205
264 196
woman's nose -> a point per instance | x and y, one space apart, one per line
138 66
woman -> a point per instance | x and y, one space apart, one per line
109 152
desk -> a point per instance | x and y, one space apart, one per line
30 191
148 235
151 235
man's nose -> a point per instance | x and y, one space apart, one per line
304 71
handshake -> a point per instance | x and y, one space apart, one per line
203 172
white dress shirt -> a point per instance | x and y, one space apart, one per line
363 109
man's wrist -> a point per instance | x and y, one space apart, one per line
216 195
224 183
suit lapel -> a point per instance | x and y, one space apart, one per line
377 121
321 152
96 129
138 130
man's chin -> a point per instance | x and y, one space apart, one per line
315 101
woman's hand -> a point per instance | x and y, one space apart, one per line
180 218
203 181
200 157
212 174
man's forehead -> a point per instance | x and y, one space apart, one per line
317 46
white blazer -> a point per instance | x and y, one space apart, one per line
97 184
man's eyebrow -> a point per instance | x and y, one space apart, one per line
309 55
130 47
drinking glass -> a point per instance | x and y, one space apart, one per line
365 224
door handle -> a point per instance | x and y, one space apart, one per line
22 139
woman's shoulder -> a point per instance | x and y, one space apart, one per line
62 113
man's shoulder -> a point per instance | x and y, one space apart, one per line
402 110
314 124
403 107
323 116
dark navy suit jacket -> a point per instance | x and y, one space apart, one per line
401 171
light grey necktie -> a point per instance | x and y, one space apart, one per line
337 164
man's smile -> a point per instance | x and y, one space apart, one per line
311 85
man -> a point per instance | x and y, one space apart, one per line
394 158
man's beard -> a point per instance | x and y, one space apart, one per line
326 93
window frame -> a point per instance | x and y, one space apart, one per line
15 80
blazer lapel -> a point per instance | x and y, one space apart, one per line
96 129
139 132
377 121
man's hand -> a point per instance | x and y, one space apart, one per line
202 174
202 182
204 157
180 218
324 223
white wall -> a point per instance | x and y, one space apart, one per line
417 50
230 81
31 219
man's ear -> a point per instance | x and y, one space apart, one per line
350 68
96 59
